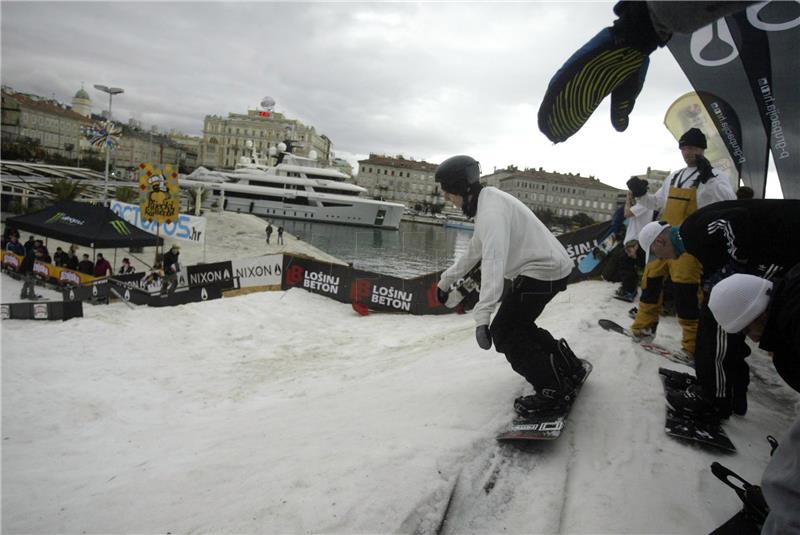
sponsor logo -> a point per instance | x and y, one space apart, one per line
40 311
40 268
70 277
391 297
321 282
10 259
207 277
716 36
260 271
753 17
61 217
294 275
555 425
121 227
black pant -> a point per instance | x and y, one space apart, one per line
719 357
515 333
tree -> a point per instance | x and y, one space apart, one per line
64 189
126 194
582 220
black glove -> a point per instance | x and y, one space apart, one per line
637 186
483 336
704 171
441 295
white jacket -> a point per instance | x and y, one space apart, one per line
509 240
717 188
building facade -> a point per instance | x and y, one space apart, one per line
402 180
56 128
563 194
224 138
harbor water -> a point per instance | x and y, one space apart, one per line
415 249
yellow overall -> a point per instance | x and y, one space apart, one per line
685 271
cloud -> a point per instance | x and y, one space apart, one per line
427 80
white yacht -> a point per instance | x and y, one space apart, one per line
294 187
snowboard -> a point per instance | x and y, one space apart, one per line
647 346
465 292
542 427
605 243
686 428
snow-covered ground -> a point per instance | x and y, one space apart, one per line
285 412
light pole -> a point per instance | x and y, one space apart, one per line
111 92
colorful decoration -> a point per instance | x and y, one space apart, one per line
105 134
158 193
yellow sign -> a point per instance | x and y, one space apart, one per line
688 112
158 193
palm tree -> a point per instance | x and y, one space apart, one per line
64 189
126 194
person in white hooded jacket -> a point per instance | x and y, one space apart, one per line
512 243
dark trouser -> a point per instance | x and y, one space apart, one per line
629 270
612 272
515 333
28 287
719 358
169 283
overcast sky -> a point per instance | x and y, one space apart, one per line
426 80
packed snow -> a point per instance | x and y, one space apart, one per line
285 412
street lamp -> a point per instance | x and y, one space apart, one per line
111 92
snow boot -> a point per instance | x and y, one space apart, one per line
645 335
695 403
622 295
543 402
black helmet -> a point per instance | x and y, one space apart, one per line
458 174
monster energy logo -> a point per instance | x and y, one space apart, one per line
121 227
64 218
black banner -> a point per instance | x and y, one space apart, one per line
57 310
331 280
711 60
778 93
579 243
218 273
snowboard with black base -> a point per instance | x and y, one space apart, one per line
706 432
545 424
656 349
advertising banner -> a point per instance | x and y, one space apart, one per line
259 271
579 243
158 193
218 273
185 227
331 280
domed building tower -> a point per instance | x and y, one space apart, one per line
81 103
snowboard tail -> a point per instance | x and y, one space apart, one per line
545 426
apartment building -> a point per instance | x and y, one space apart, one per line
564 194
400 179
225 138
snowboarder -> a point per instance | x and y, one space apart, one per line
727 237
171 268
511 242
632 256
682 193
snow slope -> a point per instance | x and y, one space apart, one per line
285 412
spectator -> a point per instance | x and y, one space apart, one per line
280 235
102 268
86 266
745 193
268 231
29 244
171 268
126 267
60 257
72 258
15 246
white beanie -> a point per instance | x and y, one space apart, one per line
739 300
648 235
